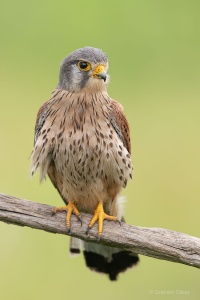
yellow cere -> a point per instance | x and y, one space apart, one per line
99 69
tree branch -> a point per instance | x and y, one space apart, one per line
155 242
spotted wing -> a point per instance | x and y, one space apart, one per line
44 112
120 124
53 174
40 120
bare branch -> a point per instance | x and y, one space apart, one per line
155 242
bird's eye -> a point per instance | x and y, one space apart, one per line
84 66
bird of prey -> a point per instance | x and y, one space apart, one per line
82 141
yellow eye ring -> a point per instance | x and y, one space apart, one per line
84 65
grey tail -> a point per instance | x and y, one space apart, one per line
75 246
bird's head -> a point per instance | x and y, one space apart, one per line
85 68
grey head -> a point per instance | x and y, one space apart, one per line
84 69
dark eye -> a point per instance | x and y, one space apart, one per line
84 66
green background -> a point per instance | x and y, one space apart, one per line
154 54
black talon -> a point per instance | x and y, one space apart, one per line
87 231
120 223
68 230
80 220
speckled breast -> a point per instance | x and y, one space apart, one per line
86 147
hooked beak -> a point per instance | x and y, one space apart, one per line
100 72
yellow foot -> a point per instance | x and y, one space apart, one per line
70 208
100 215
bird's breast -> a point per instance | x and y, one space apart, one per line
87 148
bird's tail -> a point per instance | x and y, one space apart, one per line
105 259
108 260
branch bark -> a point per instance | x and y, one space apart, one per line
154 242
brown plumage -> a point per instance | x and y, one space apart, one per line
82 141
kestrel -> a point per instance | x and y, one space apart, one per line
82 141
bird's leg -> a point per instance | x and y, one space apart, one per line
100 215
69 208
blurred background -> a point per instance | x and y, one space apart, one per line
154 55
